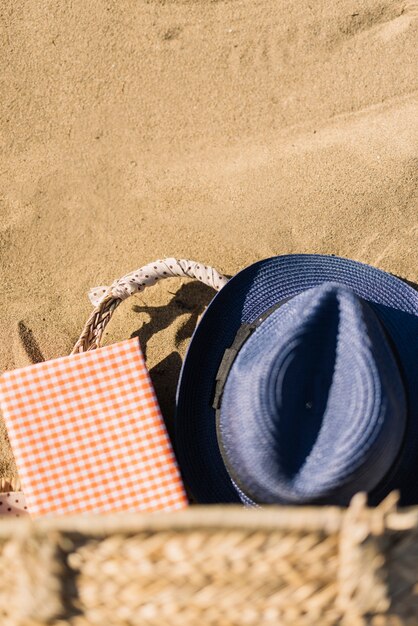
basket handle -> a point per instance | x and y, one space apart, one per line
107 299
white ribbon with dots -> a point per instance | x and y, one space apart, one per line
148 275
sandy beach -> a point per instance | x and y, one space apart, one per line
221 131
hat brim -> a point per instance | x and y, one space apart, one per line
244 298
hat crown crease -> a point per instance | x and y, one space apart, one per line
321 403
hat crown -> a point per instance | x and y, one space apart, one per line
324 406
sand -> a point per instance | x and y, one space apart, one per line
222 131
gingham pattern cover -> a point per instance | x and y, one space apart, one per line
88 436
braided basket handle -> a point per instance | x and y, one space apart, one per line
107 299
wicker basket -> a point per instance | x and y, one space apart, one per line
222 566
214 566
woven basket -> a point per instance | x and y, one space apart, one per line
222 566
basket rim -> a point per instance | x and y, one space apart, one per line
232 517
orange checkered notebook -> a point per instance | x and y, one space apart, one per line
88 436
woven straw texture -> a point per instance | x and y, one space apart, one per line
207 566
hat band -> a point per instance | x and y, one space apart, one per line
231 353
228 359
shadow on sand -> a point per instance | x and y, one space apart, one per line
191 298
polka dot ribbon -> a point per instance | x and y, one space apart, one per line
13 504
12 500
149 274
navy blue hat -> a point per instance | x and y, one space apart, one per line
300 385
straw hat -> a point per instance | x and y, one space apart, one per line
300 385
